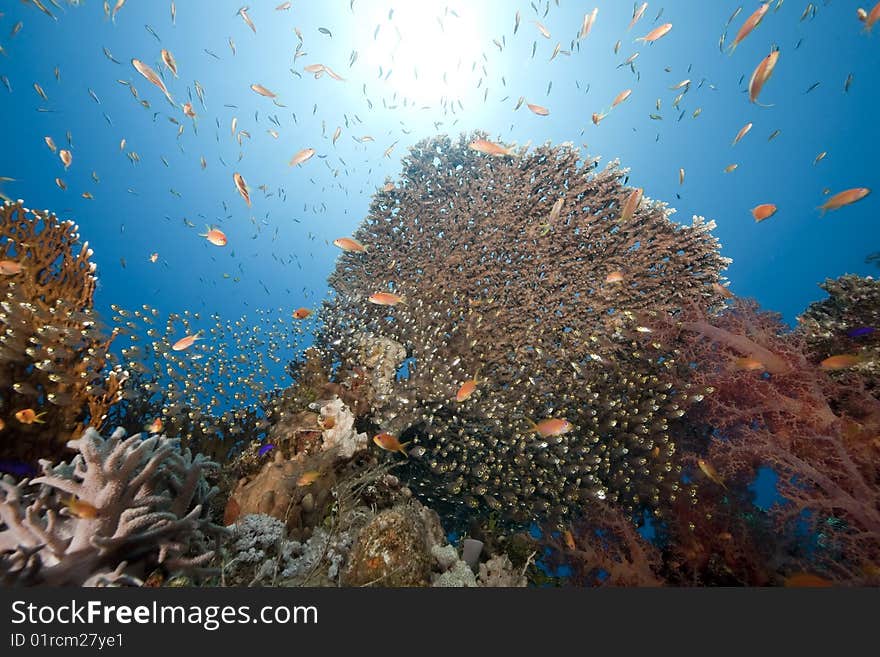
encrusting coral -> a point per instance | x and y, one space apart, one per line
52 351
120 508
520 275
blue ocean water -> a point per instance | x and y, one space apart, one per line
420 69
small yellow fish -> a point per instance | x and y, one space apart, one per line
710 472
308 478
81 509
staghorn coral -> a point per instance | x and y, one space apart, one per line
503 285
139 502
816 430
53 351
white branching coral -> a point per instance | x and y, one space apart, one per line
119 507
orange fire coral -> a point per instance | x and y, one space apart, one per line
52 351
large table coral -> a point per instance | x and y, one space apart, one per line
120 507
522 275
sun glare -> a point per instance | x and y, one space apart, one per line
427 52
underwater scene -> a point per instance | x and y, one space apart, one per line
439 293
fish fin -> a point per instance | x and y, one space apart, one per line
532 424
402 450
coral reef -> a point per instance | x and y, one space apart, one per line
499 572
519 275
394 548
847 322
133 504
815 430
53 352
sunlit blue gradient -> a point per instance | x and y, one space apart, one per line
283 241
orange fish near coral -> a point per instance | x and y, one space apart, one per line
186 342
467 389
385 299
215 236
10 267
841 199
748 364
302 313
656 33
614 277
723 291
569 539
29 416
751 23
710 472
631 204
81 509
388 442
869 19
763 211
761 74
490 148
807 580
841 361
349 244
551 426
155 426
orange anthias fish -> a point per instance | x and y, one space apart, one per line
614 277
807 580
66 158
723 291
29 416
622 96
385 299
302 313
751 23
215 236
467 389
710 472
538 109
168 60
186 342
761 74
748 364
241 186
597 116
81 509
155 426
742 133
656 33
388 442
260 89
349 244
587 24
10 268
871 18
841 361
302 156
188 110
567 536
308 478
152 77
551 426
763 211
637 14
631 204
844 198
490 148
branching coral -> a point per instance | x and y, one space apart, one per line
129 504
519 273
816 431
52 351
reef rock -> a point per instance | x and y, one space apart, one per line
394 548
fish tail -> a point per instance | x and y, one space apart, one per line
402 450
532 424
